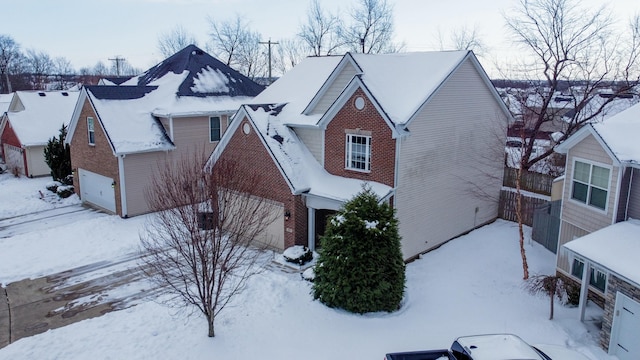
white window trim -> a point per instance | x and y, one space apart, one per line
347 152
219 129
594 268
586 204
91 130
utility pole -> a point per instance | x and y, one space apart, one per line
269 43
118 60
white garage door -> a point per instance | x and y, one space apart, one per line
625 329
97 189
14 158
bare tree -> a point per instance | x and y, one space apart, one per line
175 40
62 69
288 54
550 285
40 66
371 28
203 242
235 44
320 32
463 38
9 50
570 48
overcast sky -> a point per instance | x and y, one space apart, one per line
88 31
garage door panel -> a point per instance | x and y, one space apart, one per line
97 189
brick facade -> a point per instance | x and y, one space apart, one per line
614 286
98 158
248 150
368 120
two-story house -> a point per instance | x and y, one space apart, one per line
120 134
31 119
424 130
599 242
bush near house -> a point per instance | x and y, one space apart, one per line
360 267
57 155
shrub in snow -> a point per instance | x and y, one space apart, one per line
298 254
68 180
53 186
65 191
57 155
309 274
360 268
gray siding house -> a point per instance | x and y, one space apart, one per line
599 240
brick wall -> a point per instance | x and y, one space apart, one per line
383 149
614 285
96 158
248 150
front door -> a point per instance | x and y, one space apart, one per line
625 329
322 217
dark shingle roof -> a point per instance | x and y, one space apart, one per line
117 79
194 60
116 92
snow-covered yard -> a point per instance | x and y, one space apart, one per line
470 285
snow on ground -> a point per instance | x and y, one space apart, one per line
468 286
19 196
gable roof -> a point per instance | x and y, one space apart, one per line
618 135
614 247
189 83
300 169
37 116
399 83
5 100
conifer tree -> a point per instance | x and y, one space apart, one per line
360 268
58 156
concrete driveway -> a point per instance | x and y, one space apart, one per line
32 306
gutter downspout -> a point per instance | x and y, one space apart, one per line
171 127
617 199
626 208
123 191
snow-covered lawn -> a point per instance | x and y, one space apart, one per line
19 196
470 285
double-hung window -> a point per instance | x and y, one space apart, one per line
590 184
358 153
90 131
214 128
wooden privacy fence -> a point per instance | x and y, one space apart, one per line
534 182
507 206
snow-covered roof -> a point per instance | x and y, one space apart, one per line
300 169
620 133
189 83
5 100
40 114
615 247
400 83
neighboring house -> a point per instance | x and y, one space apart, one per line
423 130
599 242
121 134
32 118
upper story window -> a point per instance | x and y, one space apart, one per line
358 153
590 184
91 131
214 128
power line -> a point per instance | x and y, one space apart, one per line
269 43
118 60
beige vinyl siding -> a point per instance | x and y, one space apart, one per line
332 93
451 165
581 215
633 210
312 138
35 161
191 133
139 169
568 232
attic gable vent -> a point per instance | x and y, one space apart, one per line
65 94
42 94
